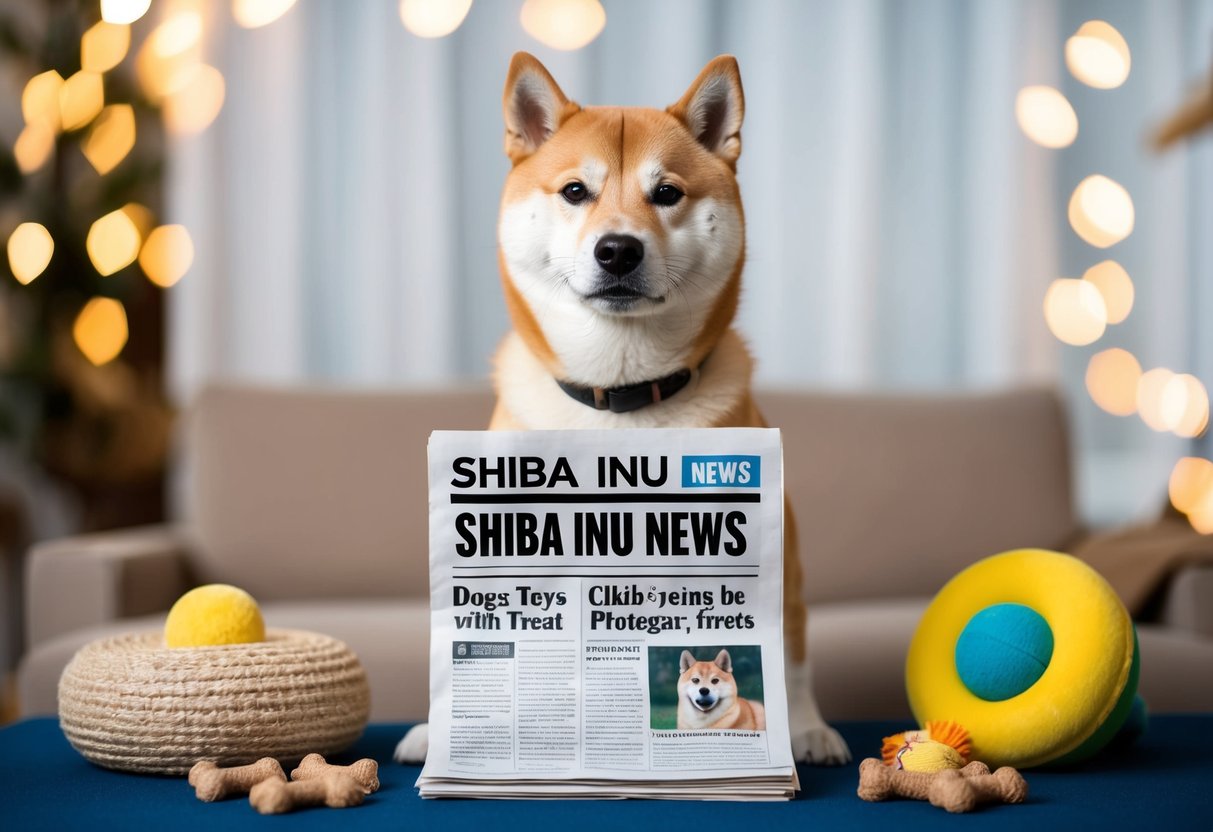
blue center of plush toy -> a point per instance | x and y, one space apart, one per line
1003 650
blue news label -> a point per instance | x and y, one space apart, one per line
731 471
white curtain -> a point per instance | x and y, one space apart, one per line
902 231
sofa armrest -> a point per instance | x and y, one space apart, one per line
1187 602
83 581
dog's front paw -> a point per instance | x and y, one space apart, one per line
411 750
820 745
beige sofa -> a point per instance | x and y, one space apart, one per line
315 502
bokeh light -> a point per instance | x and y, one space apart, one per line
1046 117
433 18
123 11
111 137
1191 491
1112 378
80 99
1201 514
170 54
1101 211
1075 312
141 216
113 242
104 46
194 105
33 147
563 24
40 100
1113 282
176 34
254 13
30 247
1150 405
100 331
1185 406
167 255
159 76
1191 479
1098 55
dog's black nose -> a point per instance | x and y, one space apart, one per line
704 691
619 253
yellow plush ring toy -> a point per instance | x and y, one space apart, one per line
1032 652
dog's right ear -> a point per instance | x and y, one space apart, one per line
534 106
685 661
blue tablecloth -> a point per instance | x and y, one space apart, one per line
1164 782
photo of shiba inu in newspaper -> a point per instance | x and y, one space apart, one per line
699 688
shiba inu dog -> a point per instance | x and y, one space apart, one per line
622 241
708 698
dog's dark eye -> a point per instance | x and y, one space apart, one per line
666 194
695 681
714 681
574 192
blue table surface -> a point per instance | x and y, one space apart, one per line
1163 782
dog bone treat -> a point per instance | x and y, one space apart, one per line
365 772
212 783
335 789
880 782
951 791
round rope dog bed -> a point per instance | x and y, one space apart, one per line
131 703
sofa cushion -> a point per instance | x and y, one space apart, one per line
300 493
304 494
894 495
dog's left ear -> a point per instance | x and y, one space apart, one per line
685 661
724 661
713 108
534 106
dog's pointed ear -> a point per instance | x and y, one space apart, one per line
534 106
724 661
713 108
685 661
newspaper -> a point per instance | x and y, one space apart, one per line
607 615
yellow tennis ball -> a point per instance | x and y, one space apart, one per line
214 614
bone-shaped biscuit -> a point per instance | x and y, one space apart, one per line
880 782
335 789
955 791
212 783
365 771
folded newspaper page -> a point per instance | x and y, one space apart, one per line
607 615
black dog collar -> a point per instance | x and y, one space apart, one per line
630 397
